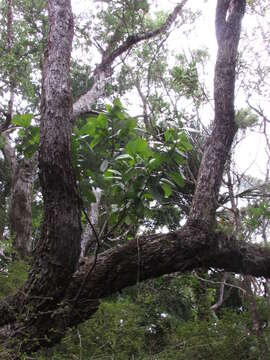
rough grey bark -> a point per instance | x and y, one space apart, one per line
58 251
228 27
59 297
21 206
23 173
60 241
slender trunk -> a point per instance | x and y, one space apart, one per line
256 322
4 193
228 27
88 236
20 211
21 206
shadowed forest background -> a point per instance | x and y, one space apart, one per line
130 226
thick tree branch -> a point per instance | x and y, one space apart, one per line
185 250
132 40
86 101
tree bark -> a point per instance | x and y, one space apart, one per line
20 212
58 250
228 27
88 234
140 259
60 241
21 206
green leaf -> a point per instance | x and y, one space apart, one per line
110 174
35 135
156 190
148 196
95 141
86 129
124 157
184 143
167 189
156 161
22 120
94 124
117 103
128 174
179 157
170 134
86 191
116 172
102 121
139 147
177 179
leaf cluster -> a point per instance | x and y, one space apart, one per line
134 171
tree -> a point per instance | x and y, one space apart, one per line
59 292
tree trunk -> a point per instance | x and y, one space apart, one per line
21 207
256 321
20 211
88 236
228 27
59 247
